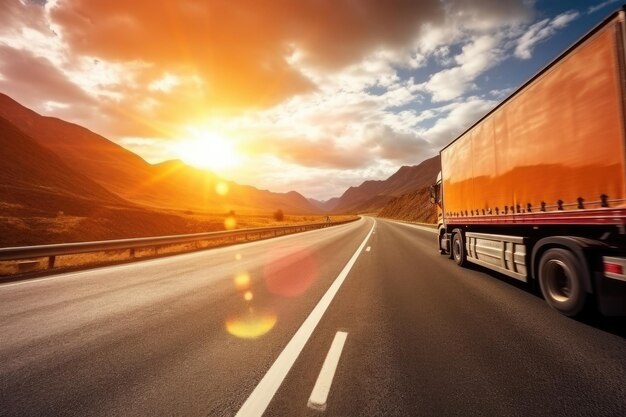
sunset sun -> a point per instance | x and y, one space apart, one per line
206 149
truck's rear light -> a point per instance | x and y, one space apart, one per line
612 268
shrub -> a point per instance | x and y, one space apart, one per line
279 216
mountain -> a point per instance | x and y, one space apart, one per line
373 195
43 200
169 185
326 205
414 206
35 178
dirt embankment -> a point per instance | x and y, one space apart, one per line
414 206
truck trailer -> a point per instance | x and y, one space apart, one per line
536 189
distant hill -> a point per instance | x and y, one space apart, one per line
43 200
414 206
169 185
37 179
326 205
374 195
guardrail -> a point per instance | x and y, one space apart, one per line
52 251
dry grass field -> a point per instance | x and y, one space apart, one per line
68 225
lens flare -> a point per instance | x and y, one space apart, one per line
242 281
290 272
238 257
221 188
251 325
248 296
230 223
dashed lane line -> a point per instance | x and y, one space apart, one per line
319 395
261 396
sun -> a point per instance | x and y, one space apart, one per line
206 149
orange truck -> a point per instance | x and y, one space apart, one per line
536 189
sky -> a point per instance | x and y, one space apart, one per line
309 95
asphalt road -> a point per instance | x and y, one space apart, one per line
246 330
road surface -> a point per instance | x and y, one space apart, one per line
246 330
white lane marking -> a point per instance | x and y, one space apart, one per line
319 395
369 248
415 226
173 257
260 398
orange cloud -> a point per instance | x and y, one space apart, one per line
239 49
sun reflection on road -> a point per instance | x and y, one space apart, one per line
291 271
249 322
250 325
288 272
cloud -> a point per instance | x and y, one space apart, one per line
458 118
541 31
320 153
241 49
602 5
331 92
400 147
34 78
476 57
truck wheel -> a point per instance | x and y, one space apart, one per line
458 249
561 281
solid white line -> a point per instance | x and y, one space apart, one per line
415 226
369 248
260 398
319 395
173 257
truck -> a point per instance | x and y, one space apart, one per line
536 189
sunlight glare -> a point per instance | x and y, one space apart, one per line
242 281
206 149
291 271
230 223
251 325
221 188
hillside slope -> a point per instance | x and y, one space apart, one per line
42 200
35 178
414 206
373 195
171 185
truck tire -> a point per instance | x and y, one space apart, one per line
458 249
561 281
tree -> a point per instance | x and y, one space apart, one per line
279 215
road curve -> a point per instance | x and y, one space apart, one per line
195 334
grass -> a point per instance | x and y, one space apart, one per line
39 266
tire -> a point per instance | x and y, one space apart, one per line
561 281
458 249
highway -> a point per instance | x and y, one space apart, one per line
247 329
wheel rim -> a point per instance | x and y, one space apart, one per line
558 279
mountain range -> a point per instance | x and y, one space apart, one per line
371 196
171 185
53 169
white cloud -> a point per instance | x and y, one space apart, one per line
460 116
541 31
165 84
477 56
602 5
